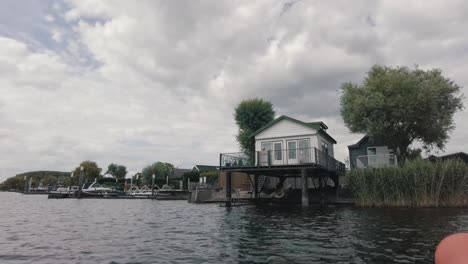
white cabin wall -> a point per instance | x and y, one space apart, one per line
320 138
285 128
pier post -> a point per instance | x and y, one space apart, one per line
255 186
152 187
80 186
228 189
25 184
305 188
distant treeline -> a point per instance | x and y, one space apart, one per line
44 178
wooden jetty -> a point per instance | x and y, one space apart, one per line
166 195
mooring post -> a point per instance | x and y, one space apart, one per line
228 189
305 188
25 184
152 187
255 186
80 186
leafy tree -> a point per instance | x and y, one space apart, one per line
211 176
37 177
402 105
251 115
160 169
117 171
91 172
49 181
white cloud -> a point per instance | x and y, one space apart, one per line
49 18
133 82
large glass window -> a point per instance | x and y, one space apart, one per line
304 150
292 150
278 151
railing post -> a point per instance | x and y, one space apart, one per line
316 156
258 158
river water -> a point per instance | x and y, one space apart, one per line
34 229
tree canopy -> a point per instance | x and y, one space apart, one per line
117 171
91 172
402 105
251 115
38 178
160 169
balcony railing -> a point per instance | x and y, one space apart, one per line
282 157
379 160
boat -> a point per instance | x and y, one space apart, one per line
95 189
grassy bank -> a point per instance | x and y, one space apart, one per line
418 183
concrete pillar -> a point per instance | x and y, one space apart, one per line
255 185
322 196
228 189
305 188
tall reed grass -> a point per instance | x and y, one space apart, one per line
418 183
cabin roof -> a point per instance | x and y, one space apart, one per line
358 144
205 168
319 126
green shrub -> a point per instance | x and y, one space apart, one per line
418 183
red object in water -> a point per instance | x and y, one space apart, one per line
453 250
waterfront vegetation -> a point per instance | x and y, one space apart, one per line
417 183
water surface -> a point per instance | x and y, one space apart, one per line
37 230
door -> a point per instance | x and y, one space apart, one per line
304 151
266 148
292 152
277 158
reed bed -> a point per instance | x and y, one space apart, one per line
418 183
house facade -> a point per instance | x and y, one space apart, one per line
288 141
370 152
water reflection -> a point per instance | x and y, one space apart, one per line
34 229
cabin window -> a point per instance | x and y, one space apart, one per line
277 150
371 151
304 150
266 146
292 150
324 147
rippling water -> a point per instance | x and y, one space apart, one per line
37 230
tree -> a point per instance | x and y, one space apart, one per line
401 106
251 115
117 171
160 169
91 172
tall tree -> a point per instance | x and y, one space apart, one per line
159 169
251 115
91 171
117 171
402 105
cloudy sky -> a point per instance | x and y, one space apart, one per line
133 82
